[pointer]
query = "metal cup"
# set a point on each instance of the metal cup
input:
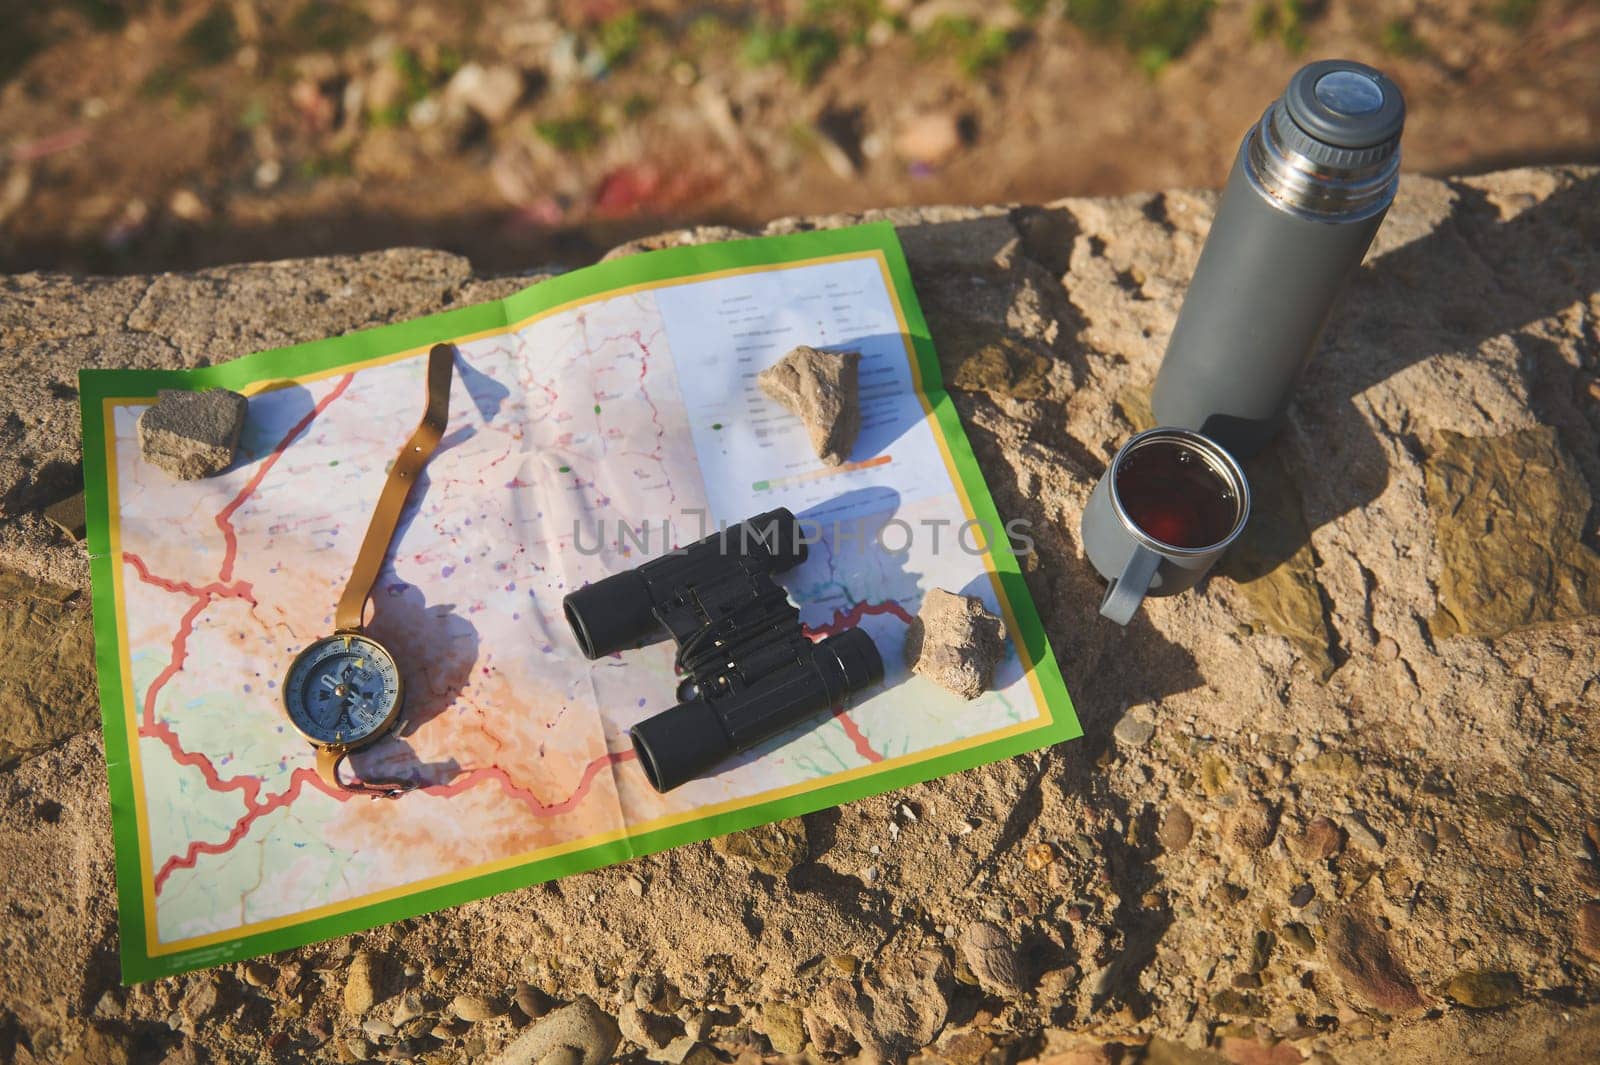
(1135, 560)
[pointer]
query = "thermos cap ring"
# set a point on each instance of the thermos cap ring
(1344, 104)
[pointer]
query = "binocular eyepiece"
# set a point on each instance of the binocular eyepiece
(750, 671)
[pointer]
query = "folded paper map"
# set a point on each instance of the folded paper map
(597, 419)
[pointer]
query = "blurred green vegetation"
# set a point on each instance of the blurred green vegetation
(977, 49)
(1515, 13)
(211, 38)
(1284, 21)
(577, 132)
(327, 26)
(804, 49)
(1398, 37)
(1155, 32)
(619, 37)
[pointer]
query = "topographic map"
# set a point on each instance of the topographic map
(595, 421)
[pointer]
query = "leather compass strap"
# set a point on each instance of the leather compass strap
(407, 466)
(328, 759)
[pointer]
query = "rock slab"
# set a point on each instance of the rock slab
(821, 388)
(955, 642)
(1449, 771)
(192, 434)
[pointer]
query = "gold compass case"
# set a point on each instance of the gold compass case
(343, 690)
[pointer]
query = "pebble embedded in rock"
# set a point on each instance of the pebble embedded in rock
(408, 1007)
(259, 974)
(474, 1008)
(773, 848)
(1336, 764)
(955, 642)
(1361, 957)
(192, 434)
(489, 92)
(200, 1000)
(1586, 937)
(901, 1005)
(378, 1028)
(647, 1030)
(1362, 836)
(821, 389)
(1177, 829)
(1039, 857)
(359, 994)
(992, 956)
(531, 1001)
(1216, 778)
(827, 1037)
(581, 1025)
(784, 1027)
(1318, 841)
(1135, 727)
(1483, 990)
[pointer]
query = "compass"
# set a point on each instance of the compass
(343, 689)
(343, 692)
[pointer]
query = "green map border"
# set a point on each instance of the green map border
(669, 264)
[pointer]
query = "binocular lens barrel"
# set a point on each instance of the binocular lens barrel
(611, 614)
(617, 613)
(692, 738)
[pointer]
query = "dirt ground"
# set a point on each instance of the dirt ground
(138, 136)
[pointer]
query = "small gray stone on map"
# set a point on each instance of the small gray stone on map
(821, 389)
(955, 642)
(192, 434)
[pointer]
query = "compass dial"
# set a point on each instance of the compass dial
(343, 689)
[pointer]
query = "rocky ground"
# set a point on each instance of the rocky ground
(1338, 804)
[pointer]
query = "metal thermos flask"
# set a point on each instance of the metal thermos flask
(1307, 193)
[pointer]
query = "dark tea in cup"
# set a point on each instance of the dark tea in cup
(1169, 505)
(1175, 495)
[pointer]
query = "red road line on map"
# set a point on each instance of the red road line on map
(216, 589)
(224, 517)
(250, 786)
(474, 776)
(848, 619)
(223, 587)
(160, 730)
(180, 650)
(858, 738)
(301, 777)
(240, 827)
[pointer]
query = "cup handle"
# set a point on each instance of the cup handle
(1125, 593)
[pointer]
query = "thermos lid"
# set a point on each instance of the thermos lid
(1341, 114)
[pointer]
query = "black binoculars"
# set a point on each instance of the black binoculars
(749, 670)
